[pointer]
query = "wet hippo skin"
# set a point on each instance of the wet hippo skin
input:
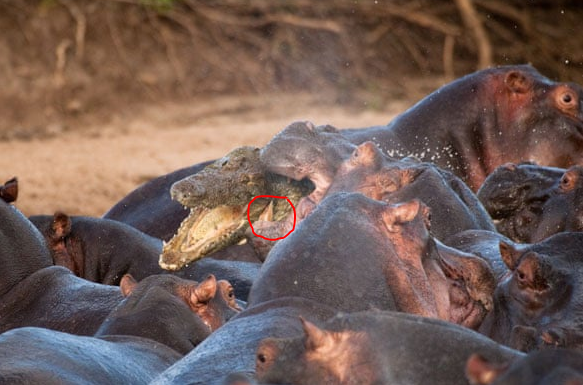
(547, 367)
(354, 253)
(539, 304)
(231, 349)
(22, 247)
(454, 207)
(56, 299)
(176, 312)
(41, 356)
(514, 196)
(485, 119)
(374, 347)
(103, 250)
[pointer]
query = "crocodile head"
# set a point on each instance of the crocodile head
(218, 198)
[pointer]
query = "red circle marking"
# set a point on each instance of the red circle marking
(270, 196)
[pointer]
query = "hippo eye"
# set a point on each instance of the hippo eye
(261, 358)
(567, 182)
(231, 294)
(567, 99)
(520, 275)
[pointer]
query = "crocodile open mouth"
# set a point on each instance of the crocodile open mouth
(202, 232)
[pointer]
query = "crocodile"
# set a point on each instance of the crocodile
(218, 198)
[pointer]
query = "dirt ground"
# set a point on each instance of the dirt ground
(99, 97)
(85, 172)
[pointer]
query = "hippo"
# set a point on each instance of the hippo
(219, 198)
(54, 298)
(228, 354)
(563, 210)
(485, 119)
(354, 253)
(103, 250)
(539, 304)
(514, 194)
(32, 355)
(454, 207)
(161, 319)
(303, 151)
(22, 247)
(531, 202)
(545, 367)
(374, 347)
(176, 312)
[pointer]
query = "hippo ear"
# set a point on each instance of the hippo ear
(9, 191)
(366, 154)
(61, 226)
(479, 371)
(127, 284)
(510, 254)
(395, 215)
(206, 290)
(316, 338)
(517, 82)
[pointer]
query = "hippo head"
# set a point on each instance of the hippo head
(320, 355)
(563, 210)
(371, 173)
(302, 150)
(544, 290)
(514, 196)
(544, 117)
(538, 281)
(212, 300)
(547, 367)
(433, 279)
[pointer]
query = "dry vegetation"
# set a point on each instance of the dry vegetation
(99, 96)
(68, 63)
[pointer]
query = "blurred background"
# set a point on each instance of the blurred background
(76, 75)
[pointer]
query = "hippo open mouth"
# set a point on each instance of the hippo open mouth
(470, 286)
(202, 232)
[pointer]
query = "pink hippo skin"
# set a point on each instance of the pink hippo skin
(485, 119)
(547, 367)
(354, 253)
(176, 312)
(374, 347)
(539, 304)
